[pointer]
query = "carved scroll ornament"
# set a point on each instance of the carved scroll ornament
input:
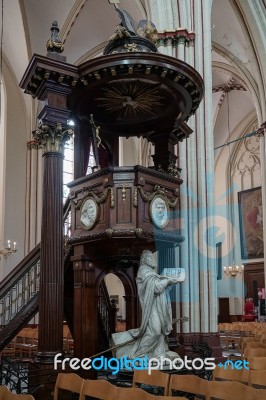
(99, 199)
(149, 197)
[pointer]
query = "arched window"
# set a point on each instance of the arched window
(68, 167)
(91, 162)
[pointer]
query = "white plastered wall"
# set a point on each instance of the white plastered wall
(226, 194)
(13, 172)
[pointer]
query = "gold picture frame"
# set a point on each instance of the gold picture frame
(251, 220)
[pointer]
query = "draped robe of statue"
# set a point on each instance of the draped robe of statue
(156, 321)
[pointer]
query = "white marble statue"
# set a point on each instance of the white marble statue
(156, 323)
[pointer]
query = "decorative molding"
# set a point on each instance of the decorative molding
(76, 204)
(158, 190)
(130, 98)
(225, 88)
(135, 197)
(42, 69)
(55, 44)
(248, 157)
(176, 37)
(139, 232)
(158, 174)
(172, 237)
(124, 193)
(92, 176)
(169, 68)
(99, 199)
(50, 139)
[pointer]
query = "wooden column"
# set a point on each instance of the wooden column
(164, 155)
(131, 312)
(51, 293)
(50, 79)
(85, 308)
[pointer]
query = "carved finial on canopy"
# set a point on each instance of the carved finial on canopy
(127, 39)
(148, 30)
(55, 44)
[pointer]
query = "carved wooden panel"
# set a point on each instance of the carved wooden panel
(124, 209)
(136, 206)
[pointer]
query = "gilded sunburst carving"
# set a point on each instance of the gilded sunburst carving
(130, 98)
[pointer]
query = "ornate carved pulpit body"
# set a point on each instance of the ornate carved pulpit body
(119, 211)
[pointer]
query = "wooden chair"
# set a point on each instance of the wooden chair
(238, 334)
(170, 398)
(156, 379)
(257, 378)
(231, 391)
(254, 353)
(230, 374)
(24, 341)
(263, 341)
(252, 345)
(261, 394)
(226, 331)
(257, 363)
(70, 382)
(30, 345)
(9, 350)
(188, 384)
(133, 394)
(4, 392)
(247, 340)
(99, 389)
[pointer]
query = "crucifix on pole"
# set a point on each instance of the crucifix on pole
(115, 2)
(96, 141)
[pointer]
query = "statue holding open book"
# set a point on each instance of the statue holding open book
(150, 339)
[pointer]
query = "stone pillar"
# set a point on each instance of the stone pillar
(166, 258)
(51, 292)
(261, 134)
(192, 44)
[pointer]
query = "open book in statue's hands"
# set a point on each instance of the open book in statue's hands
(176, 274)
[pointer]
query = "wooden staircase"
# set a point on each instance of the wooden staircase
(19, 297)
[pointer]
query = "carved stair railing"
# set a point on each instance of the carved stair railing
(19, 290)
(106, 315)
(19, 296)
(19, 300)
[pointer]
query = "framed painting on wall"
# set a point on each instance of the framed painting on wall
(251, 219)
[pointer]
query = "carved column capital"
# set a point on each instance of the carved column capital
(51, 138)
(176, 37)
